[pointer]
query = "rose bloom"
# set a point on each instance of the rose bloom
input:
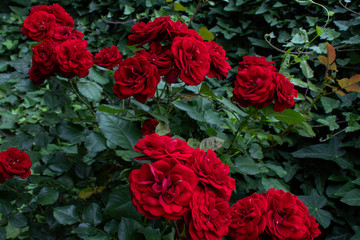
(219, 67)
(178, 29)
(213, 173)
(73, 58)
(191, 58)
(248, 218)
(160, 56)
(14, 162)
(149, 32)
(256, 61)
(254, 87)
(313, 229)
(62, 17)
(284, 93)
(39, 25)
(108, 57)
(210, 215)
(149, 127)
(44, 57)
(36, 76)
(62, 33)
(157, 147)
(137, 77)
(288, 217)
(162, 189)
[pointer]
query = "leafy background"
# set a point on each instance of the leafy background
(80, 137)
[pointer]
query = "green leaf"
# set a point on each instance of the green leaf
(273, 183)
(66, 215)
(231, 106)
(256, 151)
(5, 207)
(128, 229)
(95, 142)
(150, 233)
(2, 233)
(71, 132)
(18, 220)
(84, 229)
(93, 214)
(205, 90)
(120, 206)
(329, 104)
(306, 69)
(206, 34)
(178, 7)
(97, 77)
(352, 198)
(91, 90)
(330, 121)
(128, 10)
(47, 196)
(289, 116)
(162, 129)
(277, 169)
(117, 131)
(328, 151)
(246, 165)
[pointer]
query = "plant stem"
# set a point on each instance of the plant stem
(200, 4)
(81, 99)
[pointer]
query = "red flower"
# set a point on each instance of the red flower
(14, 162)
(162, 189)
(256, 61)
(62, 33)
(73, 58)
(160, 56)
(108, 58)
(254, 86)
(212, 172)
(44, 57)
(210, 216)
(284, 93)
(62, 17)
(288, 217)
(191, 58)
(219, 67)
(248, 218)
(149, 127)
(149, 32)
(313, 229)
(39, 25)
(137, 77)
(36, 75)
(157, 147)
(178, 29)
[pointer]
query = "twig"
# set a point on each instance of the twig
(128, 21)
(328, 138)
(344, 6)
(200, 4)
(306, 92)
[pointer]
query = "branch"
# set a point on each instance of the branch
(344, 6)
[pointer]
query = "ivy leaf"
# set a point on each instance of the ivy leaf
(66, 215)
(352, 198)
(306, 69)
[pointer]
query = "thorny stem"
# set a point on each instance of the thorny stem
(81, 99)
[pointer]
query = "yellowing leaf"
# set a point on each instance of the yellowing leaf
(355, 79)
(333, 66)
(86, 193)
(100, 189)
(206, 34)
(350, 84)
(178, 7)
(331, 53)
(338, 91)
(323, 60)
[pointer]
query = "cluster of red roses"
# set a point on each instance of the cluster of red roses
(174, 51)
(14, 162)
(275, 214)
(182, 183)
(62, 48)
(195, 186)
(258, 84)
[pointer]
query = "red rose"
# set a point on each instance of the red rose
(108, 58)
(62, 17)
(14, 162)
(36, 75)
(254, 86)
(248, 218)
(178, 29)
(212, 172)
(39, 25)
(73, 58)
(288, 217)
(284, 93)
(210, 216)
(62, 33)
(191, 58)
(162, 189)
(157, 147)
(137, 77)
(149, 32)
(219, 67)
(149, 126)
(160, 56)
(313, 229)
(44, 57)
(256, 61)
